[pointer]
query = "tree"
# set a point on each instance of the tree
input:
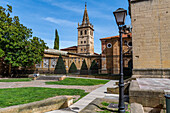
(92, 64)
(73, 68)
(56, 42)
(16, 43)
(60, 66)
(1, 53)
(84, 69)
(94, 67)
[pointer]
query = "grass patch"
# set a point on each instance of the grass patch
(105, 103)
(79, 81)
(16, 80)
(105, 111)
(16, 96)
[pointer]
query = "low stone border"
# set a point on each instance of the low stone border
(115, 89)
(46, 105)
(136, 108)
(148, 98)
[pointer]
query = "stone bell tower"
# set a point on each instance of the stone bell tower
(85, 35)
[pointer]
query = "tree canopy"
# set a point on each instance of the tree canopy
(16, 44)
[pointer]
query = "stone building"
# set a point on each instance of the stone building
(51, 56)
(110, 54)
(76, 54)
(151, 37)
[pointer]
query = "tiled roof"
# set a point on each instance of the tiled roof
(96, 53)
(69, 48)
(55, 52)
(123, 35)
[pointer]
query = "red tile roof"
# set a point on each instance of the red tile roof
(69, 48)
(96, 53)
(123, 35)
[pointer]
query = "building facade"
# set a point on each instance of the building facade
(51, 57)
(151, 37)
(110, 54)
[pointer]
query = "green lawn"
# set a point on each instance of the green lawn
(15, 80)
(16, 96)
(79, 81)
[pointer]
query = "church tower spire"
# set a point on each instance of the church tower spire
(85, 16)
(85, 35)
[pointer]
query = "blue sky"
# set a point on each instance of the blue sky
(44, 16)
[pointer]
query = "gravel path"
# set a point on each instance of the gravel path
(41, 83)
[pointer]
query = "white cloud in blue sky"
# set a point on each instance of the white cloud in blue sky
(60, 21)
(44, 16)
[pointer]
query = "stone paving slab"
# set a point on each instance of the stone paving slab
(154, 83)
(41, 83)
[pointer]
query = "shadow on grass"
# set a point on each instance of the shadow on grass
(103, 108)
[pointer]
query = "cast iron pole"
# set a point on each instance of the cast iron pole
(121, 81)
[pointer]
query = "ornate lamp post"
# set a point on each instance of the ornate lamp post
(120, 15)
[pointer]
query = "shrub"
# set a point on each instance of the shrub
(84, 69)
(73, 68)
(94, 67)
(60, 66)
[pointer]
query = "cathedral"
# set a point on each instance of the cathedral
(84, 50)
(107, 61)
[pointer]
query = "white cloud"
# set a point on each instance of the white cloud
(60, 21)
(68, 6)
(65, 44)
(72, 6)
(4, 2)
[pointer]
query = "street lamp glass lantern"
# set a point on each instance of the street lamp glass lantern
(120, 15)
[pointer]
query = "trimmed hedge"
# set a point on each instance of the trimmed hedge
(84, 69)
(94, 67)
(60, 66)
(73, 68)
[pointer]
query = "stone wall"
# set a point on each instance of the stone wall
(148, 98)
(46, 105)
(151, 36)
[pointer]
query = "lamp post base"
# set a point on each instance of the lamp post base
(122, 111)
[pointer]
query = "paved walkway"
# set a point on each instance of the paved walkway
(82, 103)
(41, 83)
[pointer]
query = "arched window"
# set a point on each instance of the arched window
(85, 32)
(81, 32)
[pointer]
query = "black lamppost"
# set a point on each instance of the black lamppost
(120, 15)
